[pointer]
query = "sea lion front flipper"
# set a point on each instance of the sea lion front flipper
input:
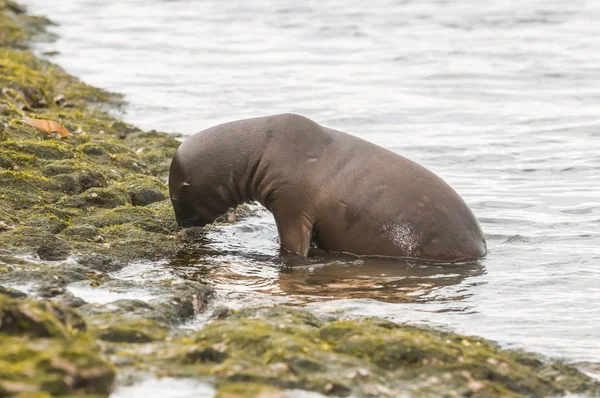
(295, 233)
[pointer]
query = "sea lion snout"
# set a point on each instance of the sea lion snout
(186, 218)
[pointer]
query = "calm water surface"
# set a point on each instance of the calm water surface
(501, 99)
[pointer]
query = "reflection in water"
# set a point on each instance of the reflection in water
(389, 280)
(243, 259)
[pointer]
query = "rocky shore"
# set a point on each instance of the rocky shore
(75, 210)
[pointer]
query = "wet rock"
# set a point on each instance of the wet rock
(35, 97)
(78, 182)
(221, 312)
(43, 319)
(140, 216)
(26, 239)
(7, 291)
(47, 149)
(130, 331)
(55, 249)
(146, 190)
(104, 148)
(6, 163)
(124, 129)
(47, 291)
(174, 304)
(243, 390)
(51, 223)
(5, 226)
(101, 263)
(69, 300)
(107, 198)
(207, 354)
(239, 213)
(15, 7)
(59, 99)
(290, 348)
(188, 298)
(48, 352)
(81, 232)
(147, 196)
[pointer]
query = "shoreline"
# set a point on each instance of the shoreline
(76, 210)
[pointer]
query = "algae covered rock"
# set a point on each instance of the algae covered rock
(243, 390)
(74, 184)
(290, 348)
(45, 348)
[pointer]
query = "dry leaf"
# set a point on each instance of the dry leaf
(48, 126)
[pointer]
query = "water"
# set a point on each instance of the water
(501, 99)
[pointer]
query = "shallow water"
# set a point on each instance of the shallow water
(501, 99)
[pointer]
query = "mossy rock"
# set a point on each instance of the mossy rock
(45, 349)
(13, 293)
(145, 190)
(290, 348)
(249, 390)
(147, 218)
(104, 149)
(129, 331)
(26, 182)
(26, 239)
(49, 223)
(81, 232)
(93, 176)
(16, 26)
(41, 149)
(38, 319)
(107, 198)
(15, 160)
(79, 182)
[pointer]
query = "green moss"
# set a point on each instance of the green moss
(49, 223)
(25, 239)
(101, 165)
(38, 319)
(97, 197)
(13, 160)
(45, 348)
(16, 26)
(128, 330)
(25, 189)
(145, 190)
(290, 348)
(249, 390)
(24, 181)
(46, 149)
(104, 149)
(81, 232)
(140, 217)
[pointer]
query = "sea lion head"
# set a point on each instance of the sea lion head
(183, 197)
(183, 205)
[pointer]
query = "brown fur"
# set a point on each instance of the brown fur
(347, 194)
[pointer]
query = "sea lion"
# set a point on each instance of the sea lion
(344, 193)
